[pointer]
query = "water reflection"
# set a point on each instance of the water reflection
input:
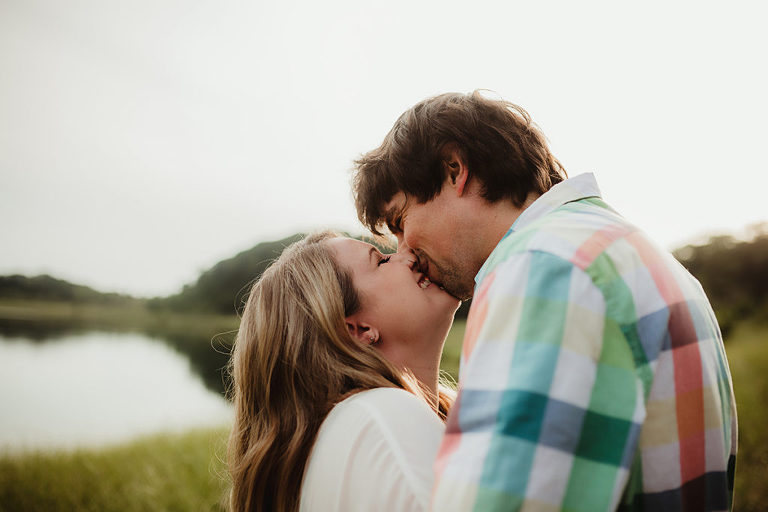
(96, 387)
(207, 355)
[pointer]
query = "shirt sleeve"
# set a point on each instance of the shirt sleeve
(549, 403)
(375, 452)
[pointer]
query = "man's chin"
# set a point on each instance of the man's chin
(452, 282)
(457, 291)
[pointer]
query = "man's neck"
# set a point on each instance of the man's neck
(499, 217)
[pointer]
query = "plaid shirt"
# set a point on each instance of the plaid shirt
(593, 375)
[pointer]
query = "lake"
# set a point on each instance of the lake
(96, 388)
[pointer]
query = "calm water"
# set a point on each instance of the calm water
(96, 388)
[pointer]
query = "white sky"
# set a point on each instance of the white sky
(143, 141)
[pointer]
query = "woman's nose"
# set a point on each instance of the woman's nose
(406, 256)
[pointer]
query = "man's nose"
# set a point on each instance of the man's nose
(401, 244)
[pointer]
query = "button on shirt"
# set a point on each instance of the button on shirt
(593, 375)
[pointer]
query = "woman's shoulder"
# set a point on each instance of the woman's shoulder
(388, 429)
(392, 419)
(386, 405)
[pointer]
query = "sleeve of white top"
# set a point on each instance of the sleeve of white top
(375, 451)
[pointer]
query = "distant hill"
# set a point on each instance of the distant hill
(223, 287)
(734, 273)
(45, 287)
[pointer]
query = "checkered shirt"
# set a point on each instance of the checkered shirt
(593, 375)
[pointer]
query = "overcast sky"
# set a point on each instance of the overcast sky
(143, 141)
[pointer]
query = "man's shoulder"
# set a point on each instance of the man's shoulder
(594, 239)
(561, 232)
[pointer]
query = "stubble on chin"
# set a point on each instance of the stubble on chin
(459, 284)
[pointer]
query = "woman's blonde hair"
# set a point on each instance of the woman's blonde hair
(292, 361)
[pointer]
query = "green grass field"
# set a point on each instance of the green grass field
(747, 350)
(187, 472)
(163, 473)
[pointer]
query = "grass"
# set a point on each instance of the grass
(747, 350)
(163, 473)
(452, 349)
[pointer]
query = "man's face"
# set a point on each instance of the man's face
(436, 232)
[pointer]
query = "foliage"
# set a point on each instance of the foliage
(163, 473)
(223, 287)
(734, 275)
(45, 287)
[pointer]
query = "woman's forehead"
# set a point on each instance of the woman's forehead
(350, 253)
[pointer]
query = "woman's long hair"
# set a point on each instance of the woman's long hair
(292, 361)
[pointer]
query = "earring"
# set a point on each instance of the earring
(372, 338)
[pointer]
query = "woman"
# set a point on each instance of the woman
(335, 381)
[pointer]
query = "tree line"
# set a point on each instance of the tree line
(733, 272)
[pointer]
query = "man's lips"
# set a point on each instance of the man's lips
(424, 269)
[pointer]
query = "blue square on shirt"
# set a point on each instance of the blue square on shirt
(652, 330)
(562, 426)
(477, 409)
(533, 366)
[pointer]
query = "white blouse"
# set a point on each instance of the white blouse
(374, 451)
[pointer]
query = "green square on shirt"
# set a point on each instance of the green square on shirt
(542, 320)
(505, 473)
(614, 393)
(491, 500)
(603, 438)
(590, 486)
(521, 414)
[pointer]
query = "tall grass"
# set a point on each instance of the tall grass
(747, 351)
(161, 473)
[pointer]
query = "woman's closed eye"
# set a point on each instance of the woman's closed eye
(384, 259)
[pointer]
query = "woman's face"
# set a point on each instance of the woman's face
(407, 315)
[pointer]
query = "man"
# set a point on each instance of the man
(593, 374)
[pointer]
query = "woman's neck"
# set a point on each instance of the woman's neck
(428, 376)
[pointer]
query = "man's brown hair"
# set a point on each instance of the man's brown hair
(500, 145)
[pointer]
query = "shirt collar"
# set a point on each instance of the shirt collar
(572, 189)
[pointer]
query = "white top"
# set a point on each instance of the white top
(374, 451)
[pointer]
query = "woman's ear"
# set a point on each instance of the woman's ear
(363, 332)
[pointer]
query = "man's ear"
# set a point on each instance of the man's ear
(456, 168)
(363, 332)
